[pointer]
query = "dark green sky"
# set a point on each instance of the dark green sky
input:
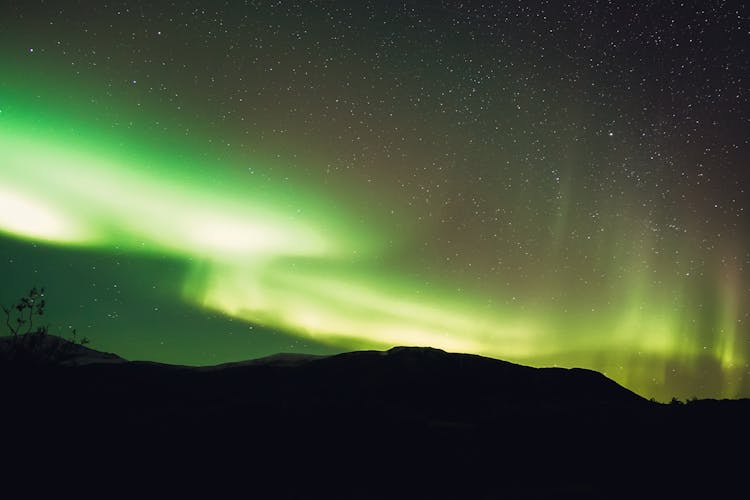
(552, 183)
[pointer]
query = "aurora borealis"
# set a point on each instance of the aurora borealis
(550, 183)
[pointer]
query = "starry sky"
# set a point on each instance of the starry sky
(550, 183)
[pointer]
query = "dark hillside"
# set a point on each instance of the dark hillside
(404, 423)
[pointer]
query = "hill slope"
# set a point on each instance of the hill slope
(51, 350)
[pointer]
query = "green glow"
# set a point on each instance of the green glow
(287, 257)
(70, 197)
(36, 219)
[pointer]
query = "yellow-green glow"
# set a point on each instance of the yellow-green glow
(332, 308)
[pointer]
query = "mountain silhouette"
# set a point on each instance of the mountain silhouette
(409, 422)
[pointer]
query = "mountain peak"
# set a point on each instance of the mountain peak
(415, 351)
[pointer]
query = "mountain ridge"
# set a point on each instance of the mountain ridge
(362, 365)
(408, 422)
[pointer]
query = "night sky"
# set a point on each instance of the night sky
(550, 183)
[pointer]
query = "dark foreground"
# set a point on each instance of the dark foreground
(407, 423)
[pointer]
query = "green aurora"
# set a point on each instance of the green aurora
(286, 258)
(269, 241)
